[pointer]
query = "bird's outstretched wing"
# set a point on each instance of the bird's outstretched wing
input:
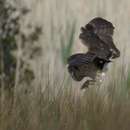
(97, 35)
(104, 30)
(102, 26)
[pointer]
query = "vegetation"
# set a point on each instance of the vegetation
(36, 91)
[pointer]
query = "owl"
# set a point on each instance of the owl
(97, 36)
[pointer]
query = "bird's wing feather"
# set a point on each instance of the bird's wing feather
(102, 26)
(104, 30)
(80, 58)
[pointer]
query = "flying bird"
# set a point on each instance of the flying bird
(97, 36)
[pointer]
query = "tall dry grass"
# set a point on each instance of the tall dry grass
(45, 97)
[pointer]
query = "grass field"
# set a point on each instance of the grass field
(44, 97)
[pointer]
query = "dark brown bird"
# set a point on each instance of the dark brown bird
(97, 36)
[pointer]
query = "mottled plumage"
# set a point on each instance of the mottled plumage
(97, 36)
(85, 65)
